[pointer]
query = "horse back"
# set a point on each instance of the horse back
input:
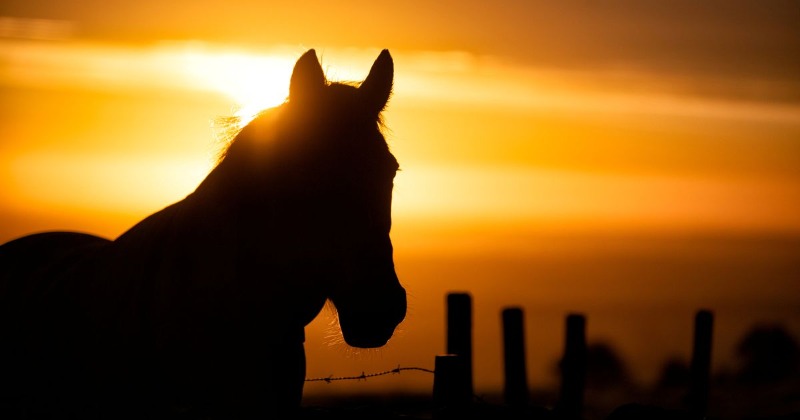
(34, 256)
(32, 252)
(33, 270)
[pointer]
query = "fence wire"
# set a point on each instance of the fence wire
(365, 376)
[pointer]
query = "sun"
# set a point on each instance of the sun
(253, 81)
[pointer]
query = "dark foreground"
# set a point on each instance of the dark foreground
(762, 402)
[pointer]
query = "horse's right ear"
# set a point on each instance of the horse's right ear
(377, 87)
(307, 77)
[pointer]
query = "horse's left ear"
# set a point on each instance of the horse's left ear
(377, 87)
(307, 77)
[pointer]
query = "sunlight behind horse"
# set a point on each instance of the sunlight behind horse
(296, 212)
(253, 81)
(149, 181)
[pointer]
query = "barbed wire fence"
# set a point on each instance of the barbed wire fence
(365, 376)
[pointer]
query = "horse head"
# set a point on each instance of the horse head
(331, 174)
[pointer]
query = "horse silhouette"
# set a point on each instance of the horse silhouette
(201, 307)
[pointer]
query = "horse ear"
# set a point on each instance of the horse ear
(377, 87)
(307, 76)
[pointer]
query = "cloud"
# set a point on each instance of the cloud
(730, 38)
(450, 76)
(37, 29)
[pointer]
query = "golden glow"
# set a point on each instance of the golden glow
(499, 160)
(481, 141)
(66, 179)
(124, 184)
(254, 82)
(519, 196)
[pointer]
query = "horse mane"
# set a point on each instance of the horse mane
(227, 129)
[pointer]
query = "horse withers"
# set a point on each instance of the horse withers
(201, 307)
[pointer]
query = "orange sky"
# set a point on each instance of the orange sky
(527, 131)
(480, 140)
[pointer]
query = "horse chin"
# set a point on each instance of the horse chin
(365, 343)
(367, 339)
(370, 329)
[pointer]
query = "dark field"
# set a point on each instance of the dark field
(727, 401)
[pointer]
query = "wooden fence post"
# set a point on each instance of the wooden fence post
(516, 383)
(452, 379)
(450, 388)
(700, 370)
(573, 369)
(459, 332)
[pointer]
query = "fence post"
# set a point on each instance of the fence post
(573, 369)
(450, 388)
(700, 369)
(516, 383)
(459, 332)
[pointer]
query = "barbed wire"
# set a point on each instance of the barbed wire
(365, 376)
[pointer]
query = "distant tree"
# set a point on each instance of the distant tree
(768, 353)
(674, 373)
(604, 366)
(634, 411)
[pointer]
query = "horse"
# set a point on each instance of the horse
(199, 309)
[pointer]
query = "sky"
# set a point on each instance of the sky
(633, 160)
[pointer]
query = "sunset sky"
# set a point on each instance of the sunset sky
(632, 160)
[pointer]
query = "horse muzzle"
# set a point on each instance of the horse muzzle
(371, 323)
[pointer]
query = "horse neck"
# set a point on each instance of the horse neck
(227, 241)
(184, 230)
